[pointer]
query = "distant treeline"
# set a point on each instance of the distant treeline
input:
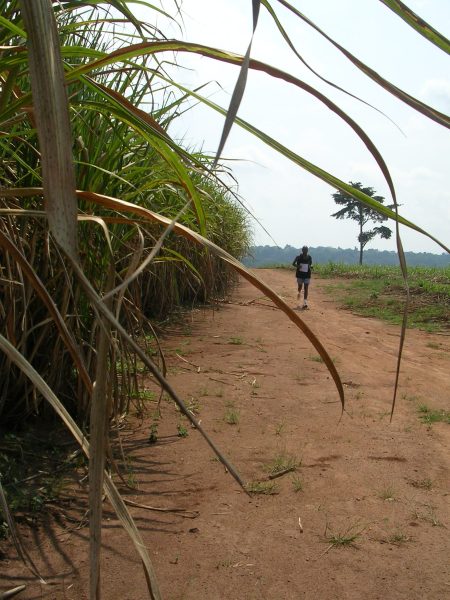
(260, 256)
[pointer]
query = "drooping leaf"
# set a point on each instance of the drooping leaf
(52, 118)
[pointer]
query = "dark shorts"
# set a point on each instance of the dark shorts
(305, 280)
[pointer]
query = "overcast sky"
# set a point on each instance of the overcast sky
(293, 205)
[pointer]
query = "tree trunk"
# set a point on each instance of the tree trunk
(361, 247)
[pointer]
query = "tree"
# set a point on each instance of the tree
(362, 214)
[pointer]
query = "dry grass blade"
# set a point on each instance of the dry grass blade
(20, 547)
(110, 489)
(12, 592)
(42, 292)
(98, 436)
(52, 120)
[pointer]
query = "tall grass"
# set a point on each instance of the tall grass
(110, 157)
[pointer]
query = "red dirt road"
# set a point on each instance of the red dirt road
(389, 483)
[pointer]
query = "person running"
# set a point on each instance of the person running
(303, 264)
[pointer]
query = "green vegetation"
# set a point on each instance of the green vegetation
(297, 484)
(153, 433)
(379, 292)
(262, 487)
(315, 358)
(282, 463)
(231, 414)
(343, 539)
(398, 538)
(182, 431)
(430, 416)
(34, 470)
(279, 428)
(387, 493)
(356, 211)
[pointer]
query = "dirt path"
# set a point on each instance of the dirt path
(387, 483)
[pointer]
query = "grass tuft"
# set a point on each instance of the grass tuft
(282, 462)
(262, 487)
(343, 539)
(297, 484)
(430, 416)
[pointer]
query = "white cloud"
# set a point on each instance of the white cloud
(437, 93)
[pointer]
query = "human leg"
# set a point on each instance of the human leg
(305, 297)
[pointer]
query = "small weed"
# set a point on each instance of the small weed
(279, 428)
(429, 416)
(387, 493)
(194, 406)
(146, 395)
(182, 431)
(282, 462)
(237, 341)
(262, 487)
(139, 367)
(398, 538)
(344, 539)
(431, 517)
(132, 482)
(316, 358)
(153, 434)
(231, 416)
(297, 484)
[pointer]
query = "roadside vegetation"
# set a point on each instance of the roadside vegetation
(378, 291)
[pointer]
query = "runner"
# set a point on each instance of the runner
(303, 264)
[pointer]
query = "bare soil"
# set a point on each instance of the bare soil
(385, 484)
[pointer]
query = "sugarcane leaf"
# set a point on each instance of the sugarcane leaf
(52, 117)
(419, 24)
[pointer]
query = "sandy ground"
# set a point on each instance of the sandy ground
(387, 483)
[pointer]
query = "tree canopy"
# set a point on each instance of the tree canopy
(362, 214)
